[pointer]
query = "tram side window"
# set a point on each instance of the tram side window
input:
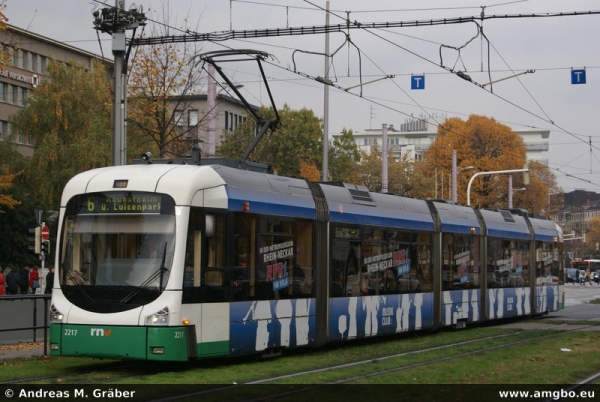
(348, 277)
(558, 262)
(390, 261)
(303, 272)
(547, 267)
(508, 263)
(275, 259)
(244, 271)
(206, 279)
(402, 276)
(421, 254)
(375, 260)
(461, 262)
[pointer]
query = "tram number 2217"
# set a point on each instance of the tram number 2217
(70, 332)
(178, 334)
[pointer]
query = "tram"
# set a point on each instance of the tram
(182, 260)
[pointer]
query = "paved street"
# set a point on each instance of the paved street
(581, 294)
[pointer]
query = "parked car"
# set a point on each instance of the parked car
(571, 275)
(597, 277)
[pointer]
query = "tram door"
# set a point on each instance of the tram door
(205, 283)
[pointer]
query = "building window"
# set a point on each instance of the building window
(192, 118)
(12, 93)
(178, 118)
(2, 130)
(24, 94)
(3, 92)
(43, 64)
(14, 57)
(226, 120)
(34, 62)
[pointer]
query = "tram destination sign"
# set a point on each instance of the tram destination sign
(115, 203)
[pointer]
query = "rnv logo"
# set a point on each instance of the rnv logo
(100, 332)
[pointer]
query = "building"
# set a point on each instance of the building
(417, 134)
(580, 207)
(29, 54)
(192, 114)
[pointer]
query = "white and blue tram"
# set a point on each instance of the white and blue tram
(179, 261)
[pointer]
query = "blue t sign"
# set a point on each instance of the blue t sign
(577, 77)
(417, 82)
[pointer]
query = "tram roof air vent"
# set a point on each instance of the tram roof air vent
(507, 216)
(361, 196)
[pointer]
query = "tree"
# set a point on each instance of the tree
(370, 168)
(14, 236)
(162, 79)
(404, 175)
(6, 179)
(486, 145)
(4, 56)
(309, 172)
(592, 238)
(68, 118)
(344, 159)
(297, 139)
(543, 195)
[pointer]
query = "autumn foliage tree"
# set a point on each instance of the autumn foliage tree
(161, 78)
(68, 118)
(486, 145)
(592, 237)
(6, 180)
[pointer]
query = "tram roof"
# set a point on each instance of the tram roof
(355, 205)
(457, 218)
(504, 224)
(545, 230)
(286, 196)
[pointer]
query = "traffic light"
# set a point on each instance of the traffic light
(35, 242)
(45, 247)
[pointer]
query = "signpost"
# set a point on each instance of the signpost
(45, 233)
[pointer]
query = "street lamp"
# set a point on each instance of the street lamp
(511, 192)
(455, 173)
(494, 172)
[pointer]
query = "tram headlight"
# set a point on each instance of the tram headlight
(159, 318)
(55, 315)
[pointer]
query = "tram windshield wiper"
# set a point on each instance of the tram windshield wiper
(158, 273)
(79, 286)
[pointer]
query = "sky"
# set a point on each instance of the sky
(551, 48)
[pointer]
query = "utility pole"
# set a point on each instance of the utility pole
(384, 159)
(325, 172)
(116, 21)
(211, 98)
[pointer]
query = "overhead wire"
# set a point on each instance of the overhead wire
(415, 54)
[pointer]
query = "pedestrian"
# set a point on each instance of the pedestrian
(2, 287)
(49, 280)
(24, 280)
(577, 277)
(11, 277)
(34, 279)
(586, 278)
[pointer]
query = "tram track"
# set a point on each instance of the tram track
(285, 386)
(293, 389)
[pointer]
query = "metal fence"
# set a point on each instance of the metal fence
(24, 318)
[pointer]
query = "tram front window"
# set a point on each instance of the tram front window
(116, 261)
